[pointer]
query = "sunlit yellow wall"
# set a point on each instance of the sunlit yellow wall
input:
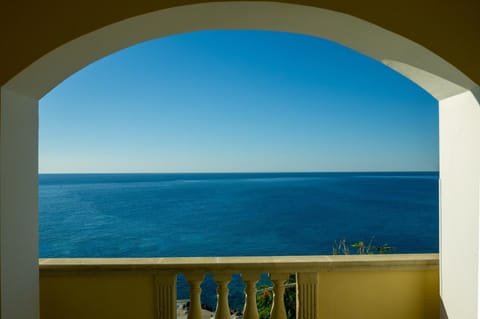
(97, 296)
(386, 294)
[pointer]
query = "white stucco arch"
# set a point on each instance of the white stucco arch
(459, 130)
(422, 66)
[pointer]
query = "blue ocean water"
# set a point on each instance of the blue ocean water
(235, 214)
(159, 215)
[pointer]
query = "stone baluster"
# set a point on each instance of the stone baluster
(195, 280)
(223, 310)
(250, 310)
(307, 296)
(166, 295)
(278, 307)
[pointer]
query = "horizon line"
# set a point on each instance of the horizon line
(245, 172)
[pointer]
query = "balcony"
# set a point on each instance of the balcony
(336, 287)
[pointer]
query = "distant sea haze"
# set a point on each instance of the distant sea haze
(234, 214)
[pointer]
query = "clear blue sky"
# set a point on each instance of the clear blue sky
(237, 101)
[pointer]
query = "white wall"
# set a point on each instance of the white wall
(459, 220)
(18, 206)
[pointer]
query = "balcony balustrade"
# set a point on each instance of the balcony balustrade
(337, 287)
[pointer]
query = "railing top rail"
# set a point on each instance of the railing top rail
(290, 264)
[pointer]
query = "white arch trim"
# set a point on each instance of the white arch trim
(403, 55)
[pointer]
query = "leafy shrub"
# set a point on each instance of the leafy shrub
(341, 247)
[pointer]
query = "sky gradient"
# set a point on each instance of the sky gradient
(237, 101)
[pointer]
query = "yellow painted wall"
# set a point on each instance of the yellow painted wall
(382, 295)
(101, 296)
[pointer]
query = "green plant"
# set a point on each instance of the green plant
(265, 300)
(291, 298)
(341, 247)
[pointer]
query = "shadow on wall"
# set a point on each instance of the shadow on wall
(443, 312)
(476, 92)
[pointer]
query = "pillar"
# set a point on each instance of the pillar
(19, 293)
(307, 295)
(459, 126)
(223, 310)
(166, 296)
(195, 280)
(278, 306)
(250, 310)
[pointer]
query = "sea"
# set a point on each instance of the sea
(234, 214)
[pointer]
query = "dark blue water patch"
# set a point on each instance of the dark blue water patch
(168, 215)
(123, 178)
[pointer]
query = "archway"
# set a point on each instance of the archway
(459, 131)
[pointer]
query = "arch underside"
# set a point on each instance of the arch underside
(422, 66)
